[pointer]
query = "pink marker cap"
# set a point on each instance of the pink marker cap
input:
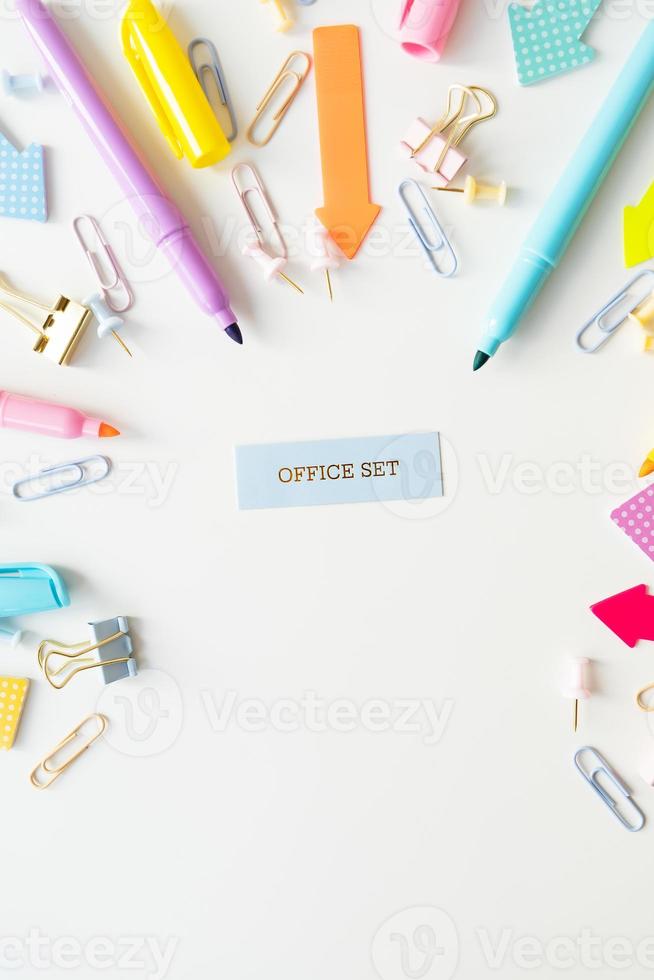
(425, 26)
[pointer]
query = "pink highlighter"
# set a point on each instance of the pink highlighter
(425, 26)
(48, 419)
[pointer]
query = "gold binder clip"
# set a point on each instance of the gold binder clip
(115, 658)
(47, 770)
(59, 328)
(284, 73)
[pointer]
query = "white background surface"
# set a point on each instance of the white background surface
(283, 854)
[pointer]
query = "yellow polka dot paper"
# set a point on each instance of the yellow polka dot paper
(13, 691)
(547, 37)
(22, 182)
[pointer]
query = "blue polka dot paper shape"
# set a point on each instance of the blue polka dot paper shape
(547, 37)
(22, 182)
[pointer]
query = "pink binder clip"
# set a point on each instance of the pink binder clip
(425, 26)
(434, 148)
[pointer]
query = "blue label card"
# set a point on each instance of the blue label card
(339, 471)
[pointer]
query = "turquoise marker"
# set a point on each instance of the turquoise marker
(562, 215)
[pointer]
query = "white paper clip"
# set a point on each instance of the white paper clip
(78, 473)
(432, 247)
(625, 308)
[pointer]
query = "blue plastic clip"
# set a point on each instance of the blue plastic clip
(610, 775)
(82, 472)
(624, 303)
(431, 247)
(30, 588)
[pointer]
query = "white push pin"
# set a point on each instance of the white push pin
(577, 689)
(474, 190)
(271, 265)
(12, 637)
(28, 84)
(324, 252)
(108, 322)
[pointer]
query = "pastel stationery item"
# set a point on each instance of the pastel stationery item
(628, 614)
(155, 212)
(576, 688)
(281, 19)
(601, 777)
(324, 253)
(109, 639)
(474, 190)
(564, 211)
(109, 323)
(49, 419)
(13, 691)
(269, 105)
(30, 588)
(639, 230)
(633, 302)
(547, 37)
(22, 182)
(636, 518)
(339, 471)
(347, 212)
(430, 234)
(647, 466)
(22, 84)
(80, 739)
(434, 148)
(206, 64)
(169, 84)
(62, 477)
(425, 26)
(114, 287)
(58, 326)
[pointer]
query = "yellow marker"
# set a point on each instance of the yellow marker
(639, 230)
(13, 691)
(648, 465)
(176, 98)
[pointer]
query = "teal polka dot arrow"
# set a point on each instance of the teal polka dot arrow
(22, 182)
(547, 37)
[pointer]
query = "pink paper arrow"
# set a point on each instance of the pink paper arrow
(629, 614)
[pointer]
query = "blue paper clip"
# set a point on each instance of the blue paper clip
(81, 476)
(208, 68)
(598, 319)
(592, 778)
(431, 248)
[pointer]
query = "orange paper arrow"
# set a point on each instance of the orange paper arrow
(347, 212)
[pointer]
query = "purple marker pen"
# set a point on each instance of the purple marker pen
(160, 218)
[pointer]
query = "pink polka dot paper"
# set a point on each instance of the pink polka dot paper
(636, 518)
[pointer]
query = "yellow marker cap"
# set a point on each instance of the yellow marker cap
(166, 77)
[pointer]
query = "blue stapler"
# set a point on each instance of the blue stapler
(29, 588)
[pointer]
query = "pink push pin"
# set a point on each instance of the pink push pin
(324, 251)
(425, 26)
(271, 265)
(576, 688)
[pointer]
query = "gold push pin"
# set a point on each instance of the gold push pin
(326, 254)
(58, 328)
(473, 190)
(576, 689)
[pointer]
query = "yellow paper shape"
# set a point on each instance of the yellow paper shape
(639, 231)
(13, 691)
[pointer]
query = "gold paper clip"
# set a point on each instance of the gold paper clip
(47, 770)
(278, 82)
(271, 264)
(102, 260)
(59, 328)
(112, 634)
